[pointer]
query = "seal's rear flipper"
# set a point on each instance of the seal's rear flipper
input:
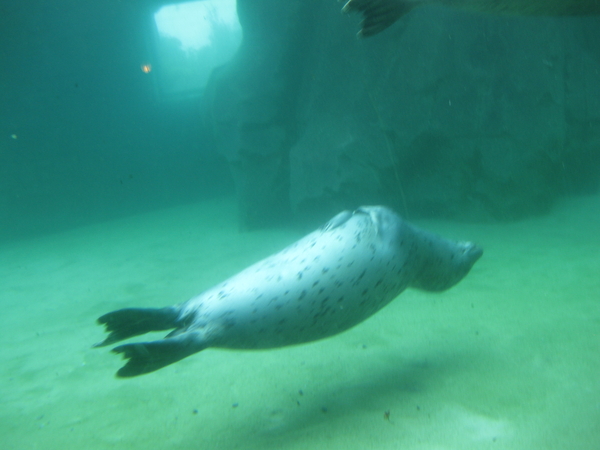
(379, 14)
(129, 322)
(147, 357)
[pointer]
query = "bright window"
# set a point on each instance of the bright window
(193, 39)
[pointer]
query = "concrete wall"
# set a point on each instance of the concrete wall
(446, 114)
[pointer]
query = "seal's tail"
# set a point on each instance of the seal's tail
(129, 322)
(144, 357)
(378, 14)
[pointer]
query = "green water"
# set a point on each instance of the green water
(507, 359)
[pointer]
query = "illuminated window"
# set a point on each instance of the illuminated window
(192, 39)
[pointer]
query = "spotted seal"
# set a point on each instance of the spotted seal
(380, 14)
(325, 283)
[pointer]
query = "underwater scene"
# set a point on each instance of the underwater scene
(303, 224)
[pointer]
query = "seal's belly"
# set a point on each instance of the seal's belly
(322, 285)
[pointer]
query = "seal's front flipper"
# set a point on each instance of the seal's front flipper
(378, 14)
(147, 357)
(129, 322)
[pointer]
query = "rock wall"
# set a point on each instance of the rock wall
(445, 114)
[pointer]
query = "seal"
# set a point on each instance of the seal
(325, 283)
(380, 14)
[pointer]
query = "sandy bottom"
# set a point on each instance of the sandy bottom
(508, 359)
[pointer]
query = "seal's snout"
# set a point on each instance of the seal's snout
(472, 251)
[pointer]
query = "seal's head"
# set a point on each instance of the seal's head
(437, 263)
(445, 262)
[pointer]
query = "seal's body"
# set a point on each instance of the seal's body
(380, 14)
(325, 283)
